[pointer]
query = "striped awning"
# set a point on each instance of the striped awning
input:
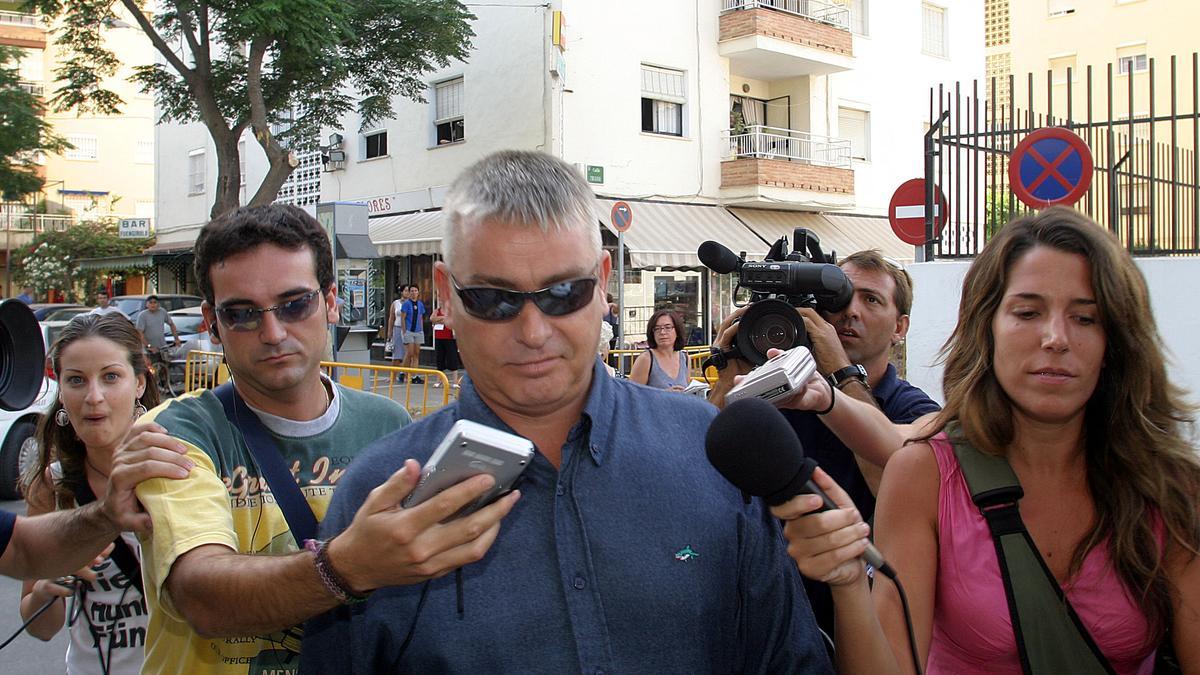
(121, 262)
(408, 234)
(665, 234)
(842, 234)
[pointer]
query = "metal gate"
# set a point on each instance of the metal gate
(1145, 143)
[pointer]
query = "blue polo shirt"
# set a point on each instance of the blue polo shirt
(7, 521)
(902, 403)
(636, 556)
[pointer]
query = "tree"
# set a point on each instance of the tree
(250, 64)
(25, 132)
(51, 260)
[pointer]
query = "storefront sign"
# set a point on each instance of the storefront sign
(134, 228)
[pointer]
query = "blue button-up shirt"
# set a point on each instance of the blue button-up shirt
(635, 556)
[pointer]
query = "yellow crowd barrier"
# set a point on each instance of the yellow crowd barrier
(205, 370)
(623, 358)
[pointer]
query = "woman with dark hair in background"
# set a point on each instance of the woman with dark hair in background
(1057, 366)
(103, 389)
(664, 364)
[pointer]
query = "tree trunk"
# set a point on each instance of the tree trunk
(229, 175)
(276, 176)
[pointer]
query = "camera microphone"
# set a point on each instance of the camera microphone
(718, 258)
(752, 445)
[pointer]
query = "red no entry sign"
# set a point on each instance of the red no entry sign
(1050, 166)
(906, 211)
(622, 216)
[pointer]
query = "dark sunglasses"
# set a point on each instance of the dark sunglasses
(250, 318)
(502, 304)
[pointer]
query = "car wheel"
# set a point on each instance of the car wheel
(10, 458)
(29, 454)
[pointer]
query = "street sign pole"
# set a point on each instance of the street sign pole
(620, 297)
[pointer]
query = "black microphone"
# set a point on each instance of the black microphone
(718, 258)
(752, 445)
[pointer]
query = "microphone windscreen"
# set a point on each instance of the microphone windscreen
(718, 258)
(752, 445)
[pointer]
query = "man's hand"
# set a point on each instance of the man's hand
(148, 452)
(726, 377)
(387, 545)
(816, 394)
(826, 546)
(826, 346)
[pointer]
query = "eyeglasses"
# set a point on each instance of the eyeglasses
(664, 329)
(502, 304)
(250, 318)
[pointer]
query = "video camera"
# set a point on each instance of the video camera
(786, 279)
(22, 356)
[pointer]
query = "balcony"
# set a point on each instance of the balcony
(787, 169)
(19, 29)
(777, 39)
(32, 87)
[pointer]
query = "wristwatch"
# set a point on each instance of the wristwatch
(851, 373)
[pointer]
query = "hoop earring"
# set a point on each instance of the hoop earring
(61, 418)
(138, 410)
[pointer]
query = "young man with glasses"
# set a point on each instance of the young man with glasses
(626, 551)
(226, 579)
(851, 440)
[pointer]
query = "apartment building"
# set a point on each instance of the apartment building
(732, 120)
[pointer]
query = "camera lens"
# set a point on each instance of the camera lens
(22, 356)
(769, 324)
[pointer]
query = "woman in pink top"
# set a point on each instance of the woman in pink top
(1055, 364)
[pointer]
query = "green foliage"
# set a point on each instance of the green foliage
(1001, 207)
(24, 132)
(301, 64)
(51, 260)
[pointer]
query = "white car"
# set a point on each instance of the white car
(19, 448)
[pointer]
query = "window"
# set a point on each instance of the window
(859, 23)
(448, 111)
(197, 172)
(242, 163)
(1060, 7)
(855, 126)
(31, 65)
(663, 98)
(144, 152)
(372, 144)
(86, 147)
(933, 30)
(82, 205)
(1134, 62)
(1059, 66)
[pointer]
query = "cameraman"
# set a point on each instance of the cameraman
(850, 440)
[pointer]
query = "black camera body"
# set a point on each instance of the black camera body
(785, 280)
(22, 356)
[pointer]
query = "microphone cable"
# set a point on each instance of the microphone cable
(31, 619)
(908, 622)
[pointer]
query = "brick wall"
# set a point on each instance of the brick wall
(788, 27)
(785, 174)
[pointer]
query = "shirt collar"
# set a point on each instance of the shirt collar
(595, 422)
(887, 384)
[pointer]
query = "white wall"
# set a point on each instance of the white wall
(891, 79)
(938, 287)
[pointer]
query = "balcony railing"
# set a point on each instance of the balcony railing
(761, 142)
(20, 19)
(35, 222)
(33, 88)
(815, 10)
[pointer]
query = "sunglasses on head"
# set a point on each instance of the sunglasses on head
(502, 304)
(250, 318)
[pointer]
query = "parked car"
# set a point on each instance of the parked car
(18, 447)
(65, 314)
(42, 310)
(132, 305)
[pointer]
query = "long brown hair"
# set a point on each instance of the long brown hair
(60, 444)
(1141, 469)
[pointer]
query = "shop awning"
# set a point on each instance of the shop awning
(355, 246)
(667, 235)
(169, 248)
(408, 234)
(120, 262)
(838, 233)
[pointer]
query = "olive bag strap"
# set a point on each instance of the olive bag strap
(1049, 635)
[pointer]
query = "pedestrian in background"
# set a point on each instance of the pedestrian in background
(445, 347)
(395, 324)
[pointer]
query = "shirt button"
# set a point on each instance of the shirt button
(560, 490)
(580, 583)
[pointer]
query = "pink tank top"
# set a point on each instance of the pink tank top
(972, 632)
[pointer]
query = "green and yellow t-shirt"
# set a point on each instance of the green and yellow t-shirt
(226, 501)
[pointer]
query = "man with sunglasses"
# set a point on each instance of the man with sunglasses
(626, 550)
(226, 576)
(851, 439)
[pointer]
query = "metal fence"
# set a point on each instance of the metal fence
(1140, 119)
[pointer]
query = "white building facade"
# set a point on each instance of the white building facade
(732, 120)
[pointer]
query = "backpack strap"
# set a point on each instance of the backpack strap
(121, 554)
(296, 511)
(1049, 634)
